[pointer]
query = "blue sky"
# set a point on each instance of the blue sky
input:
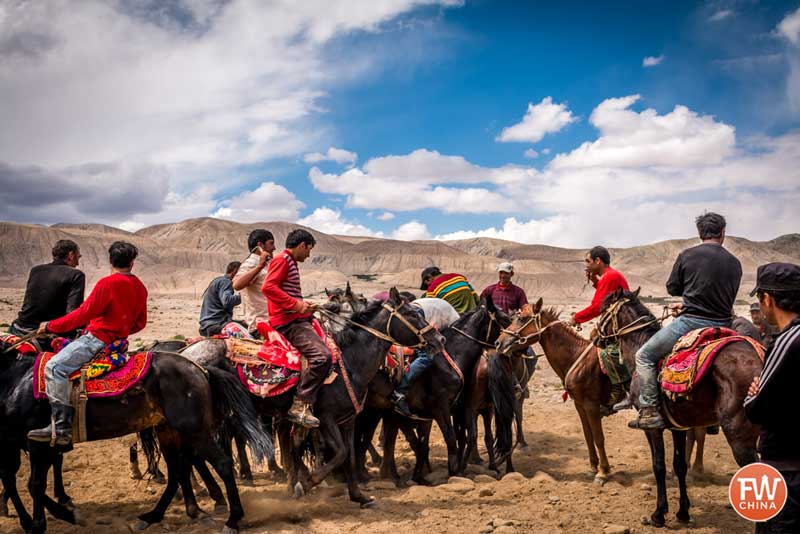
(536, 122)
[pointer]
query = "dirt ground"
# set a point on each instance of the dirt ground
(552, 493)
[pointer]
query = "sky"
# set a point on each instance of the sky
(562, 123)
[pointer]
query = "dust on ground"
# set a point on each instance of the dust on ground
(552, 493)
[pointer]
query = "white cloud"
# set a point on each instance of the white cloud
(330, 221)
(680, 138)
(531, 154)
(411, 231)
(540, 119)
(789, 27)
(545, 151)
(130, 226)
(386, 216)
(269, 202)
(722, 14)
(338, 155)
(652, 61)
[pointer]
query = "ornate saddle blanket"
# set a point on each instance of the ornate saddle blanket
(24, 348)
(397, 357)
(104, 378)
(692, 356)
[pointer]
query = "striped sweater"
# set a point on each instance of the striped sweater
(455, 289)
(282, 289)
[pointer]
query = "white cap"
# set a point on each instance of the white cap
(506, 267)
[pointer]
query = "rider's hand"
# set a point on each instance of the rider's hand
(307, 307)
(572, 321)
(676, 309)
(263, 258)
(752, 391)
(42, 329)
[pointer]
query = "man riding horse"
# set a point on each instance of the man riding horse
(603, 278)
(116, 308)
(250, 277)
(452, 287)
(707, 276)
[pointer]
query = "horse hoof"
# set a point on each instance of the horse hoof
(136, 474)
(220, 509)
(228, 530)
(371, 504)
(600, 479)
(683, 517)
(159, 479)
(522, 447)
(653, 521)
(141, 525)
(299, 491)
(69, 505)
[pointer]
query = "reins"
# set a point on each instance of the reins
(485, 342)
(535, 318)
(393, 314)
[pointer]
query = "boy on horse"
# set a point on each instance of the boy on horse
(116, 308)
(604, 279)
(290, 315)
(249, 279)
(707, 277)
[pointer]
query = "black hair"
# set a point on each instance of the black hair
(299, 236)
(602, 253)
(232, 266)
(63, 247)
(258, 236)
(121, 254)
(710, 225)
(785, 300)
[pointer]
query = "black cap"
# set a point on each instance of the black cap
(428, 271)
(777, 277)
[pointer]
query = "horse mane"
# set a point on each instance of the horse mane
(551, 314)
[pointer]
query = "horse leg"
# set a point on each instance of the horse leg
(41, 459)
(58, 482)
(596, 424)
(388, 466)
(419, 437)
(353, 488)
(223, 465)
(679, 467)
(9, 466)
(185, 458)
(700, 440)
(245, 473)
(169, 448)
(272, 464)
(520, 444)
(488, 438)
(133, 462)
(445, 423)
(365, 430)
(214, 491)
(656, 440)
(588, 437)
(374, 455)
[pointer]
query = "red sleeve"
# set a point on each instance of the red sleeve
(91, 308)
(277, 272)
(608, 283)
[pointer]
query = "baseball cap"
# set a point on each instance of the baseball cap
(506, 267)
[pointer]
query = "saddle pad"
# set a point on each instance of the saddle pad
(686, 367)
(24, 348)
(111, 384)
(398, 353)
(267, 380)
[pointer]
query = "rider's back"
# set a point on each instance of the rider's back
(707, 276)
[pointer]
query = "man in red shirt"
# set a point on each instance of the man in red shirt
(604, 279)
(116, 308)
(290, 315)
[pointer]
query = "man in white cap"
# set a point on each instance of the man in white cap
(505, 295)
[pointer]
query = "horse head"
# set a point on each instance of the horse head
(621, 313)
(526, 325)
(344, 303)
(485, 323)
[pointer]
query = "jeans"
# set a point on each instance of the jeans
(418, 366)
(659, 346)
(66, 362)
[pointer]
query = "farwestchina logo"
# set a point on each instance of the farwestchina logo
(757, 492)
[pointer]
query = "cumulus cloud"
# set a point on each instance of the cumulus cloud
(269, 202)
(530, 154)
(338, 155)
(411, 231)
(330, 221)
(789, 27)
(386, 216)
(652, 61)
(540, 119)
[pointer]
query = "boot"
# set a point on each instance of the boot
(649, 419)
(401, 404)
(300, 413)
(59, 431)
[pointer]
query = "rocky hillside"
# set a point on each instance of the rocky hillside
(182, 257)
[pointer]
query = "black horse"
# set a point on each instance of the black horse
(185, 403)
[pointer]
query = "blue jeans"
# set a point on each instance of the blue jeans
(659, 346)
(66, 362)
(418, 366)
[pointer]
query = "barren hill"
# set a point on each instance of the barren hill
(183, 257)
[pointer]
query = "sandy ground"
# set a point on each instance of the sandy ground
(553, 491)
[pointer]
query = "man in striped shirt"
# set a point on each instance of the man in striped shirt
(290, 315)
(452, 287)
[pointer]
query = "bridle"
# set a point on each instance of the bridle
(386, 336)
(485, 342)
(611, 316)
(536, 320)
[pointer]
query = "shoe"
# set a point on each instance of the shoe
(300, 413)
(624, 404)
(401, 404)
(59, 431)
(649, 419)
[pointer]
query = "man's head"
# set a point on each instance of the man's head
(778, 290)
(232, 269)
(67, 251)
(428, 275)
(755, 314)
(711, 227)
(300, 242)
(261, 238)
(597, 260)
(504, 272)
(121, 255)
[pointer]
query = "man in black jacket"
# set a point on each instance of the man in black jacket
(775, 391)
(53, 289)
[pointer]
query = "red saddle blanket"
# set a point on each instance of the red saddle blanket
(111, 384)
(22, 348)
(397, 354)
(692, 356)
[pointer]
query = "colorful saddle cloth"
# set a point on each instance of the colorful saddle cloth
(399, 354)
(692, 356)
(107, 375)
(24, 348)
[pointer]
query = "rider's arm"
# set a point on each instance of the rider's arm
(91, 308)
(244, 279)
(675, 281)
(227, 297)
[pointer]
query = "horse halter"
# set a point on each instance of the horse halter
(611, 316)
(536, 320)
(485, 342)
(386, 336)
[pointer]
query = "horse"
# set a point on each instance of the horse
(716, 400)
(363, 342)
(185, 404)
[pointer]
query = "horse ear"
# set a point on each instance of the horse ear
(538, 306)
(394, 296)
(327, 292)
(347, 290)
(618, 293)
(636, 293)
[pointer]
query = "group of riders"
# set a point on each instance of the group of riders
(706, 277)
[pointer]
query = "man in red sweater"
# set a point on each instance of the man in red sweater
(290, 315)
(604, 279)
(116, 308)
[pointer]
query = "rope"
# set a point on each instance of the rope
(385, 336)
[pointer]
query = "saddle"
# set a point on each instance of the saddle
(398, 361)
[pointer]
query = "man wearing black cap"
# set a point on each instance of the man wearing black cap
(775, 391)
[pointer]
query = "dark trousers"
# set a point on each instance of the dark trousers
(421, 363)
(211, 330)
(788, 521)
(317, 358)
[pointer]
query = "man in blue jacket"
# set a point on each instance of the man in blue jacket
(218, 302)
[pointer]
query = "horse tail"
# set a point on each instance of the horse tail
(233, 405)
(150, 449)
(501, 392)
